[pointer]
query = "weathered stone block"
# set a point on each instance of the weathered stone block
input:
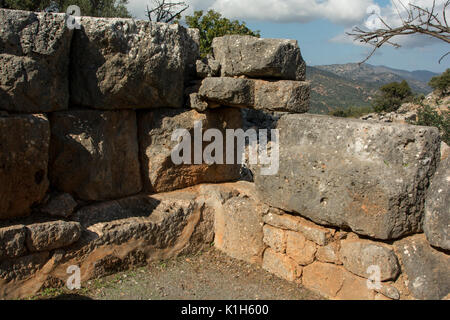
(283, 95)
(281, 265)
(358, 255)
(160, 173)
(259, 58)
(329, 253)
(300, 249)
(61, 205)
(52, 235)
(12, 241)
(34, 61)
(428, 270)
(275, 238)
(437, 207)
(24, 149)
(124, 64)
(94, 154)
(368, 176)
(311, 231)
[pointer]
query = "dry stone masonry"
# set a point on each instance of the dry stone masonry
(356, 210)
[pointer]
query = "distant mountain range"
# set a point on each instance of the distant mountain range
(346, 85)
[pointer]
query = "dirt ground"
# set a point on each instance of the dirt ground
(207, 276)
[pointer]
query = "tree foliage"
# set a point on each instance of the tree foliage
(392, 95)
(441, 83)
(427, 116)
(212, 25)
(94, 8)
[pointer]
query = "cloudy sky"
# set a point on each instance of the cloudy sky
(320, 27)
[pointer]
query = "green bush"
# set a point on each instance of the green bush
(441, 83)
(351, 112)
(212, 25)
(427, 116)
(392, 95)
(95, 8)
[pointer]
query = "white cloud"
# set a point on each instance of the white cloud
(392, 15)
(344, 12)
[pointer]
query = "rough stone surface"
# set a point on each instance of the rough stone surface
(300, 249)
(23, 163)
(428, 270)
(329, 253)
(437, 207)
(52, 235)
(283, 95)
(237, 220)
(159, 172)
(12, 241)
(324, 278)
(311, 231)
(23, 267)
(368, 176)
(161, 226)
(334, 282)
(275, 238)
(259, 58)
(281, 265)
(34, 61)
(123, 64)
(389, 291)
(358, 255)
(94, 154)
(61, 205)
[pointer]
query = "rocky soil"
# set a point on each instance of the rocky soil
(206, 276)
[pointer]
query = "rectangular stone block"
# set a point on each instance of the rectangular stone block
(24, 149)
(281, 265)
(368, 176)
(125, 64)
(94, 154)
(34, 61)
(275, 238)
(259, 58)
(159, 172)
(283, 95)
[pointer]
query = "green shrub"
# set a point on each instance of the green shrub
(427, 116)
(351, 112)
(212, 25)
(441, 83)
(392, 95)
(103, 8)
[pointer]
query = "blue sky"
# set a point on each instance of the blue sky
(320, 26)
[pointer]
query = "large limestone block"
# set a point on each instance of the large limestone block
(427, 269)
(24, 147)
(34, 61)
(122, 63)
(259, 58)
(283, 95)
(368, 176)
(238, 220)
(159, 172)
(94, 154)
(437, 207)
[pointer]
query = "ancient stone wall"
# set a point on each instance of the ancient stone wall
(87, 179)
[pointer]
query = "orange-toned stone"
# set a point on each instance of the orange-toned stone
(281, 265)
(299, 248)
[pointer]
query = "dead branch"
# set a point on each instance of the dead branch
(167, 12)
(418, 21)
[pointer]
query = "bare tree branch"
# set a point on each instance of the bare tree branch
(418, 21)
(163, 11)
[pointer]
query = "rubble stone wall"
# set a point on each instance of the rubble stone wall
(87, 179)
